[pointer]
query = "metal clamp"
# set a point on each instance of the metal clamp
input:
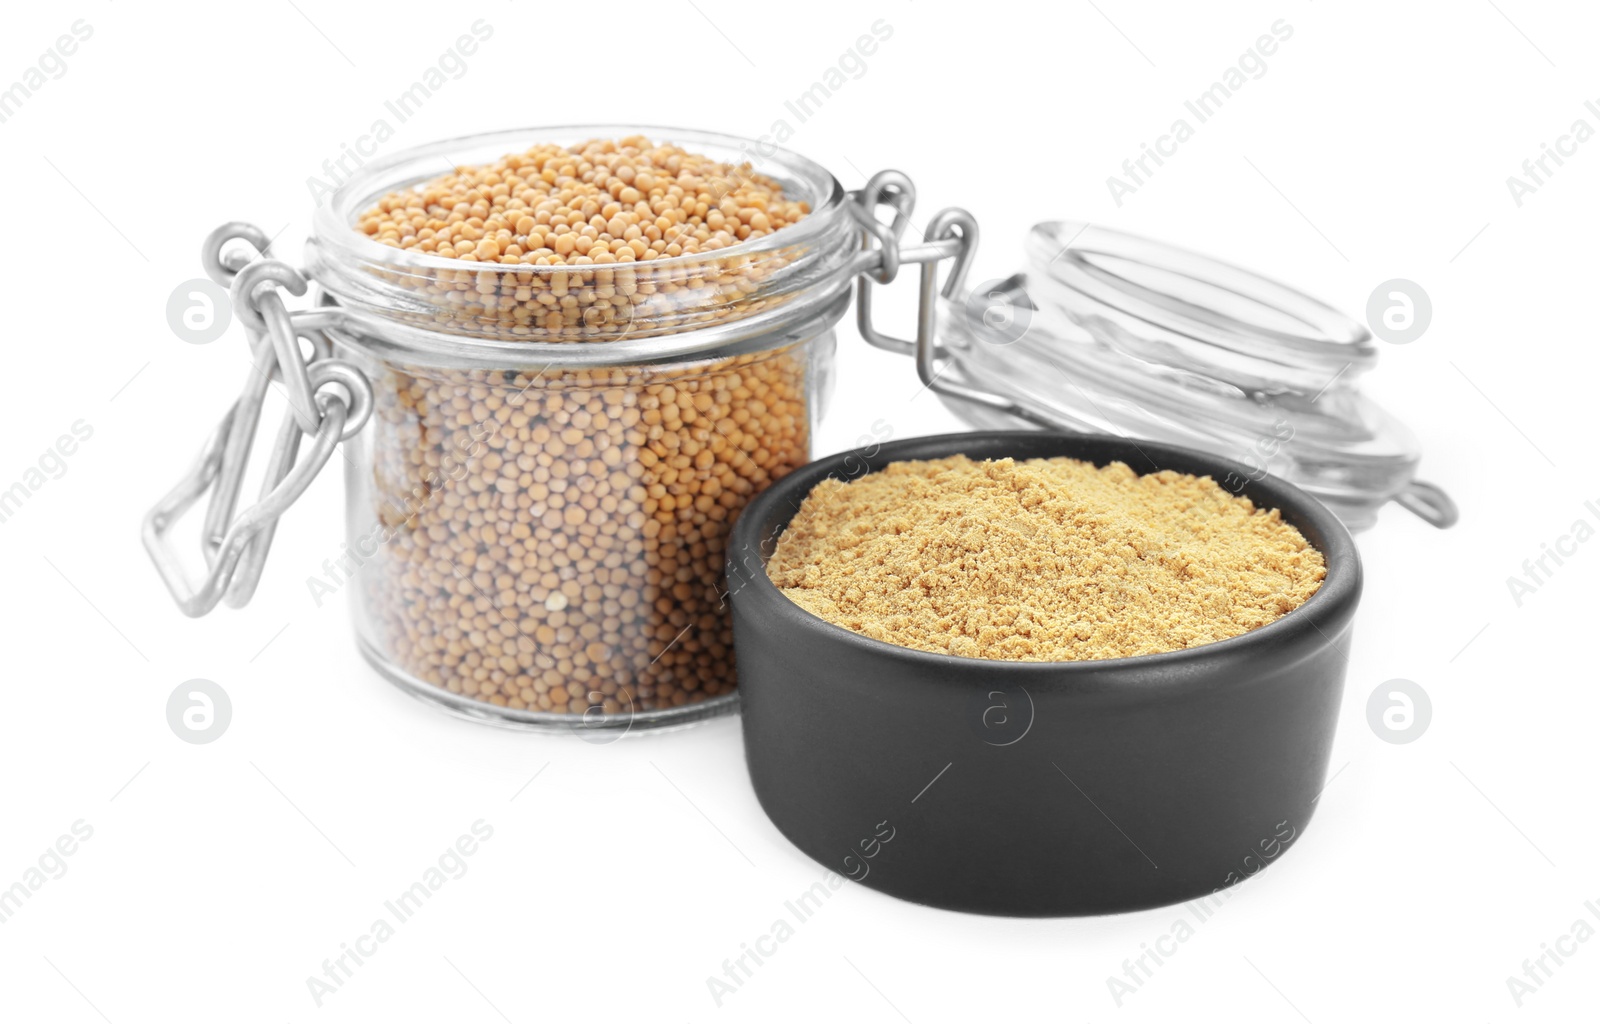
(952, 234)
(329, 401)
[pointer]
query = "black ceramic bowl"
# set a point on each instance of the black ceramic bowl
(1038, 788)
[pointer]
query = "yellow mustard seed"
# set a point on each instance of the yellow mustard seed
(592, 206)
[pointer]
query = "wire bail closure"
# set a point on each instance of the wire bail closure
(329, 401)
(951, 234)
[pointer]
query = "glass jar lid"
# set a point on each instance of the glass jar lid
(1108, 332)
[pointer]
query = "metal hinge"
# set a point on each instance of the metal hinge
(329, 401)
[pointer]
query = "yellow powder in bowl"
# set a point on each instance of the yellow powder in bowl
(1041, 560)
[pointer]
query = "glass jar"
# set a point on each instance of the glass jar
(539, 500)
(556, 454)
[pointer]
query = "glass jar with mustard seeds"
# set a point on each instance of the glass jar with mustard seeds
(566, 359)
(557, 451)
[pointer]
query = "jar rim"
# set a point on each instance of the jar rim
(333, 223)
(691, 302)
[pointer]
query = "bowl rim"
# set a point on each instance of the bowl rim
(1333, 601)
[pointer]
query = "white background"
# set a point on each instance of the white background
(220, 876)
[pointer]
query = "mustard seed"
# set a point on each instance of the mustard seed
(557, 537)
(594, 205)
